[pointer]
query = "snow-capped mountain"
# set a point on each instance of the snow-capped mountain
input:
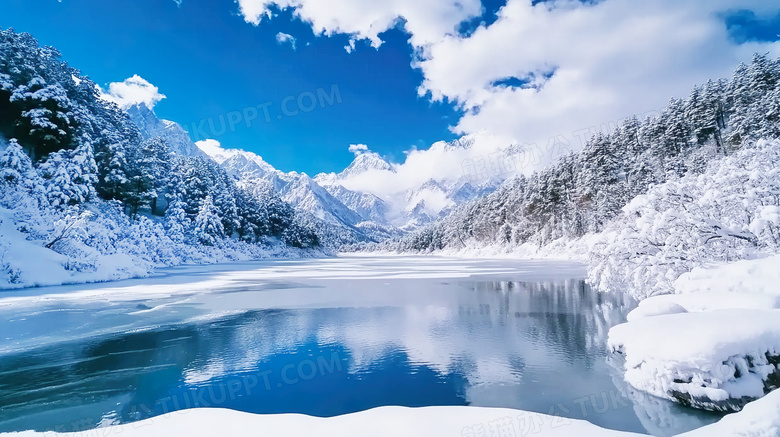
(437, 199)
(174, 135)
(309, 196)
(361, 214)
(327, 197)
(367, 205)
(364, 162)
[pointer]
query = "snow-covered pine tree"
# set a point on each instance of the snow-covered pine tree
(195, 185)
(207, 227)
(149, 169)
(177, 223)
(69, 176)
(18, 178)
(253, 217)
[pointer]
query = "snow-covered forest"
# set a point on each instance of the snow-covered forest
(84, 196)
(105, 192)
(648, 201)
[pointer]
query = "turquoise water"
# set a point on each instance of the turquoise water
(536, 345)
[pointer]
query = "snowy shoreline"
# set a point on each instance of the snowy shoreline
(713, 345)
(758, 419)
(28, 264)
(699, 301)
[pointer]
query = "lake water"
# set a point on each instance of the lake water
(321, 337)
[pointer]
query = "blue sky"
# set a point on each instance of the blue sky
(209, 60)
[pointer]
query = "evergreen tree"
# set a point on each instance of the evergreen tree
(207, 227)
(69, 176)
(19, 178)
(177, 224)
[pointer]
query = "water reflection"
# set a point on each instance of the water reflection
(538, 346)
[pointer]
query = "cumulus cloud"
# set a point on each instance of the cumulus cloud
(592, 65)
(285, 38)
(426, 21)
(357, 149)
(133, 91)
(211, 147)
(544, 75)
(443, 162)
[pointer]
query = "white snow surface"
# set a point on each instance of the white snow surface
(758, 419)
(754, 276)
(712, 341)
(705, 350)
(378, 422)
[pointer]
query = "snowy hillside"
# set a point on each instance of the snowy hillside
(86, 195)
(149, 126)
(338, 200)
(588, 192)
(360, 217)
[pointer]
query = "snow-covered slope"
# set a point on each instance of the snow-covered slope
(309, 196)
(367, 205)
(407, 208)
(332, 197)
(150, 126)
(759, 419)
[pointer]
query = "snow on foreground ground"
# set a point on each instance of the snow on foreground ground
(133, 254)
(759, 419)
(716, 345)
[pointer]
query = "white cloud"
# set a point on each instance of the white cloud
(426, 20)
(211, 147)
(133, 91)
(610, 60)
(357, 149)
(285, 38)
(441, 162)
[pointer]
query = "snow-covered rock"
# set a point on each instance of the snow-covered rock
(716, 360)
(650, 308)
(703, 301)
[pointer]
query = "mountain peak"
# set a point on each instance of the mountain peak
(150, 126)
(364, 162)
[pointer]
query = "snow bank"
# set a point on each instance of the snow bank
(703, 301)
(106, 249)
(757, 276)
(717, 360)
(379, 422)
(759, 419)
(713, 345)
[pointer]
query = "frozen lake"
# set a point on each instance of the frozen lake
(322, 337)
